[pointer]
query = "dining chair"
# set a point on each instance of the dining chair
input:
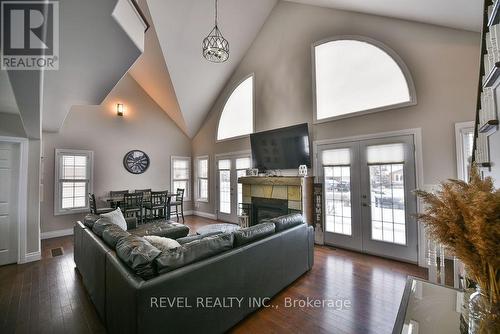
(117, 197)
(93, 206)
(178, 204)
(133, 205)
(157, 206)
(146, 194)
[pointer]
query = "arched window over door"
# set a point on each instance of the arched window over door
(355, 75)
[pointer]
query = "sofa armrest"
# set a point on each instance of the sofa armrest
(131, 223)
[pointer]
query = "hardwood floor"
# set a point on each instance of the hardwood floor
(48, 296)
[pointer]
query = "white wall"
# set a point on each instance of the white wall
(443, 62)
(144, 126)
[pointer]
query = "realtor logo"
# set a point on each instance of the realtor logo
(30, 35)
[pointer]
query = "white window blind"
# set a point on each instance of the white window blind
(73, 181)
(341, 156)
(387, 153)
(181, 175)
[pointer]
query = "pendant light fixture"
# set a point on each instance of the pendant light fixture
(215, 46)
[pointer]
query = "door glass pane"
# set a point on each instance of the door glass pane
(240, 173)
(337, 185)
(225, 191)
(387, 199)
(224, 186)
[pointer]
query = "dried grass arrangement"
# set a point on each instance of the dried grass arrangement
(465, 217)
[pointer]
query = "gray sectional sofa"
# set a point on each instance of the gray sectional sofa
(138, 289)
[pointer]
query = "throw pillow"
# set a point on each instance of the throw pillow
(115, 217)
(162, 243)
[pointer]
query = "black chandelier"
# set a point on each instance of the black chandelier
(215, 46)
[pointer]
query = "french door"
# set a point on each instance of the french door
(368, 196)
(229, 191)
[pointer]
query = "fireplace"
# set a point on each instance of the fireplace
(265, 208)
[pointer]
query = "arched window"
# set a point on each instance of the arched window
(236, 119)
(355, 75)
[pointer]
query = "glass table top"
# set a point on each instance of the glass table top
(428, 308)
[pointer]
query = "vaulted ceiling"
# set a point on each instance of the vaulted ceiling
(181, 27)
(459, 14)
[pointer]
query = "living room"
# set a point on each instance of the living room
(249, 166)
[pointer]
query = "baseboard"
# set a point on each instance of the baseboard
(30, 257)
(205, 215)
(56, 234)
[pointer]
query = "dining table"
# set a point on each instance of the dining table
(115, 201)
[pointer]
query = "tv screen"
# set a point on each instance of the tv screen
(284, 148)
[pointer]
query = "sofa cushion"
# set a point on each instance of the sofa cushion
(285, 222)
(138, 254)
(116, 217)
(193, 251)
(90, 219)
(163, 228)
(252, 233)
(190, 238)
(100, 225)
(112, 234)
(162, 243)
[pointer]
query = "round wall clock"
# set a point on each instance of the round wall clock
(136, 162)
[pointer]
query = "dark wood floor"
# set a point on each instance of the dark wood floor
(48, 297)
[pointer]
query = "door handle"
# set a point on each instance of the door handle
(367, 205)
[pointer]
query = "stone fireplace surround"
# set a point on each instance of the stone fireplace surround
(275, 196)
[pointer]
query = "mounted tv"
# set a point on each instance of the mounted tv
(284, 148)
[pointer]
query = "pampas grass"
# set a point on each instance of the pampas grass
(465, 217)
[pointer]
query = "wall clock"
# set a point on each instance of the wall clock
(136, 162)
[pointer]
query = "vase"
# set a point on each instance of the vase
(479, 311)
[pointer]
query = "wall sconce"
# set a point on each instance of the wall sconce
(119, 109)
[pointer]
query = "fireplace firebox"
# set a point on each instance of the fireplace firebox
(265, 208)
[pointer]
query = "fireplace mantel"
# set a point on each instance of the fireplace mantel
(296, 190)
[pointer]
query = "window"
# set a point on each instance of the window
(202, 179)
(181, 175)
(355, 75)
(73, 181)
(236, 119)
(464, 133)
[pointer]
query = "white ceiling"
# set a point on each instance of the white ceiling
(7, 100)
(460, 14)
(150, 72)
(181, 27)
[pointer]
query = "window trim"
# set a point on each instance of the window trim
(226, 99)
(460, 128)
(390, 52)
(58, 210)
(189, 190)
(197, 192)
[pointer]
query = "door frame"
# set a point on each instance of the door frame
(22, 194)
(228, 155)
(419, 171)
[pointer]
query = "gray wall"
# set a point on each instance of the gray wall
(443, 62)
(11, 125)
(145, 126)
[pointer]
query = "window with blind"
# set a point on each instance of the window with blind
(202, 179)
(181, 175)
(73, 181)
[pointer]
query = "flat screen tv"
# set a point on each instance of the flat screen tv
(284, 148)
